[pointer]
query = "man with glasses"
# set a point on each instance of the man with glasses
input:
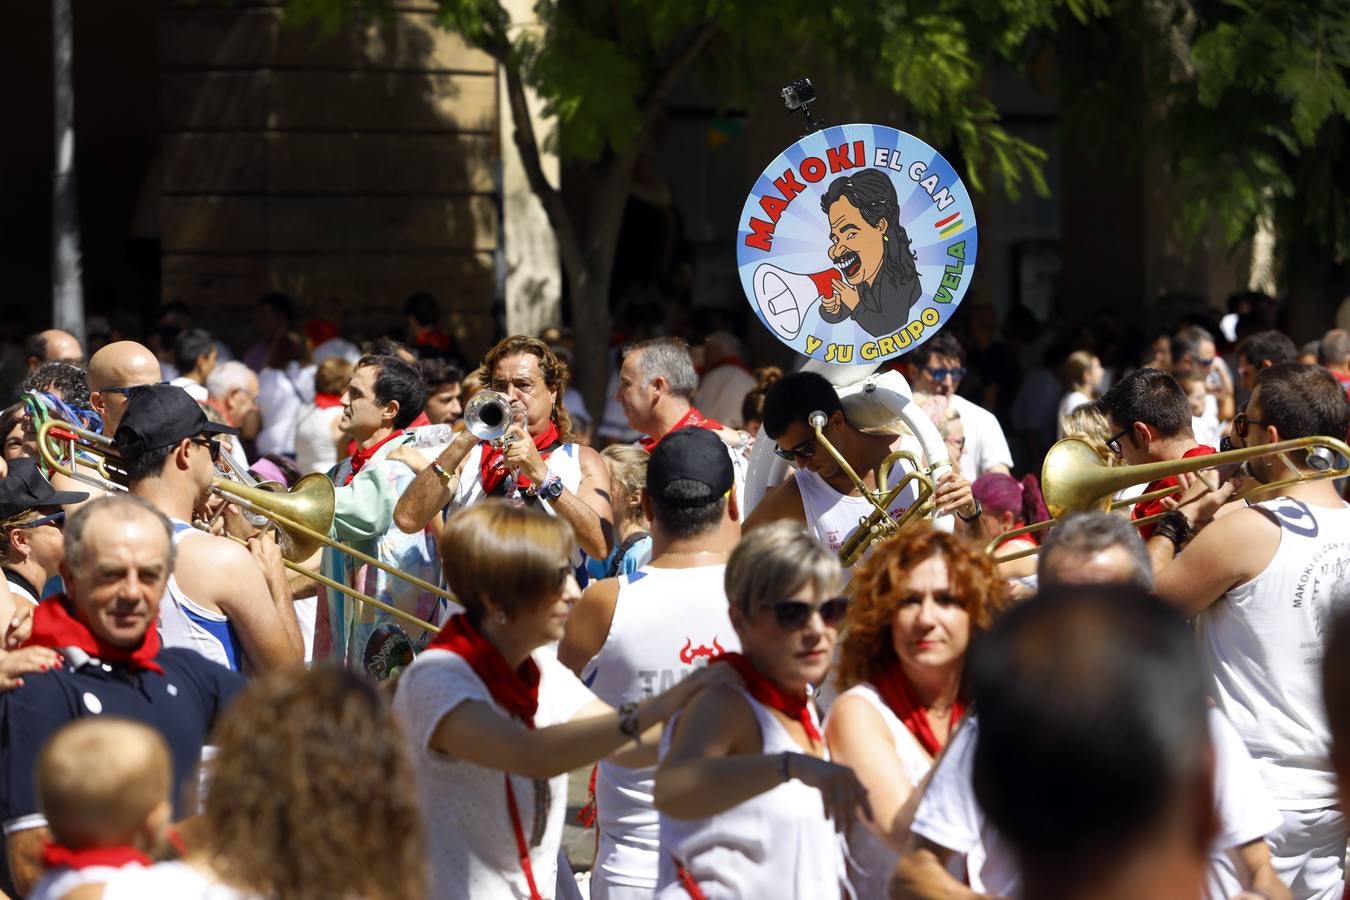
(114, 371)
(1149, 419)
(937, 367)
(634, 636)
(1262, 582)
(31, 523)
(1195, 353)
(821, 495)
(230, 604)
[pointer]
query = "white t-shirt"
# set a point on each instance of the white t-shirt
(470, 842)
(949, 816)
(168, 881)
(194, 390)
(986, 446)
(56, 883)
(282, 395)
(1071, 401)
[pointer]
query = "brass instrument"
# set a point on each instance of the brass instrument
(1074, 479)
(488, 416)
(302, 516)
(878, 525)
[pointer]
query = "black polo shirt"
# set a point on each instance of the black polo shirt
(182, 705)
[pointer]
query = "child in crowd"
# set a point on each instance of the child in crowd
(632, 544)
(103, 786)
(1207, 429)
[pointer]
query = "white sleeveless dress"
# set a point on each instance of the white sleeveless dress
(777, 846)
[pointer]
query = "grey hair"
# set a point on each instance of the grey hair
(226, 377)
(1088, 533)
(668, 358)
(772, 562)
(122, 505)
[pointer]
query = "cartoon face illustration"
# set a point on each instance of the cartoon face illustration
(856, 246)
(879, 281)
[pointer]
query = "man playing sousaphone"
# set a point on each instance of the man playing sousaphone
(821, 494)
(536, 462)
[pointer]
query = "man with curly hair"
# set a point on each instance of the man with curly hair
(539, 462)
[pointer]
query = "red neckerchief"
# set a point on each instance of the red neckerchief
(363, 454)
(432, 337)
(55, 627)
(1156, 506)
(327, 401)
(422, 419)
(516, 692)
(735, 361)
(55, 856)
(766, 692)
(691, 419)
(898, 693)
(491, 468)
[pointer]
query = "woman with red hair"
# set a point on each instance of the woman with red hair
(916, 603)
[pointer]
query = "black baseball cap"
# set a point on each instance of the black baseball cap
(690, 454)
(25, 488)
(161, 415)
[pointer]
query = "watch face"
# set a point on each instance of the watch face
(553, 490)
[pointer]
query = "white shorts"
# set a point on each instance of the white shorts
(1308, 852)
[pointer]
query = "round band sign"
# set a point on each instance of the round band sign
(856, 244)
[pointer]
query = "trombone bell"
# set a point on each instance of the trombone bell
(309, 503)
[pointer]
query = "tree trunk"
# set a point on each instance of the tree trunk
(67, 291)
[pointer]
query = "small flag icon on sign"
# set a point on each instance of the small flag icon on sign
(949, 225)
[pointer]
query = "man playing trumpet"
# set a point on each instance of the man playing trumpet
(536, 462)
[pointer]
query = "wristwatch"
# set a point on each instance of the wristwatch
(973, 516)
(552, 488)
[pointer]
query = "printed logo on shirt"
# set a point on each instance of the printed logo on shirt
(702, 651)
(657, 681)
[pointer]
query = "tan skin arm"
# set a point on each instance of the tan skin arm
(921, 874)
(588, 625)
(784, 502)
(716, 761)
(226, 574)
(859, 738)
(25, 857)
(1258, 874)
(476, 732)
(1195, 579)
(428, 494)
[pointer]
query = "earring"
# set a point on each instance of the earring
(885, 239)
(501, 617)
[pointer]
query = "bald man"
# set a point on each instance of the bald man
(53, 345)
(113, 371)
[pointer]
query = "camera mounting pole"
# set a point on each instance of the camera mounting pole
(799, 95)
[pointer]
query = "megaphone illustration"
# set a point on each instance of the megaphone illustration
(784, 297)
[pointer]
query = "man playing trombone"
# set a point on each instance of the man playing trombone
(1261, 582)
(230, 604)
(384, 396)
(821, 494)
(535, 462)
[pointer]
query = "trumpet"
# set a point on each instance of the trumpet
(302, 516)
(488, 416)
(879, 524)
(1074, 479)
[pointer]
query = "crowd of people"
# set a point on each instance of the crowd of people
(1146, 700)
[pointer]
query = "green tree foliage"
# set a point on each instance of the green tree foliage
(605, 68)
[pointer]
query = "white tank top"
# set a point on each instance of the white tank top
(832, 516)
(666, 622)
(872, 859)
(183, 623)
(777, 846)
(315, 449)
(1263, 643)
(564, 461)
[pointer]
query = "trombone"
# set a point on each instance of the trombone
(302, 516)
(1074, 479)
(879, 524)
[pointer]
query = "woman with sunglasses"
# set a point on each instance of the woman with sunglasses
(496, 722)
(917, 602)
(750, 803)
(32, 540)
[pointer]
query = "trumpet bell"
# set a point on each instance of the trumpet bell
(488, 415)
(309, 503)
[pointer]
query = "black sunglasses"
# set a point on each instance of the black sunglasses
(1241, 423)
(212, 445)
(806, 449)
(793, 614)
(56, 520)
(126, 391)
